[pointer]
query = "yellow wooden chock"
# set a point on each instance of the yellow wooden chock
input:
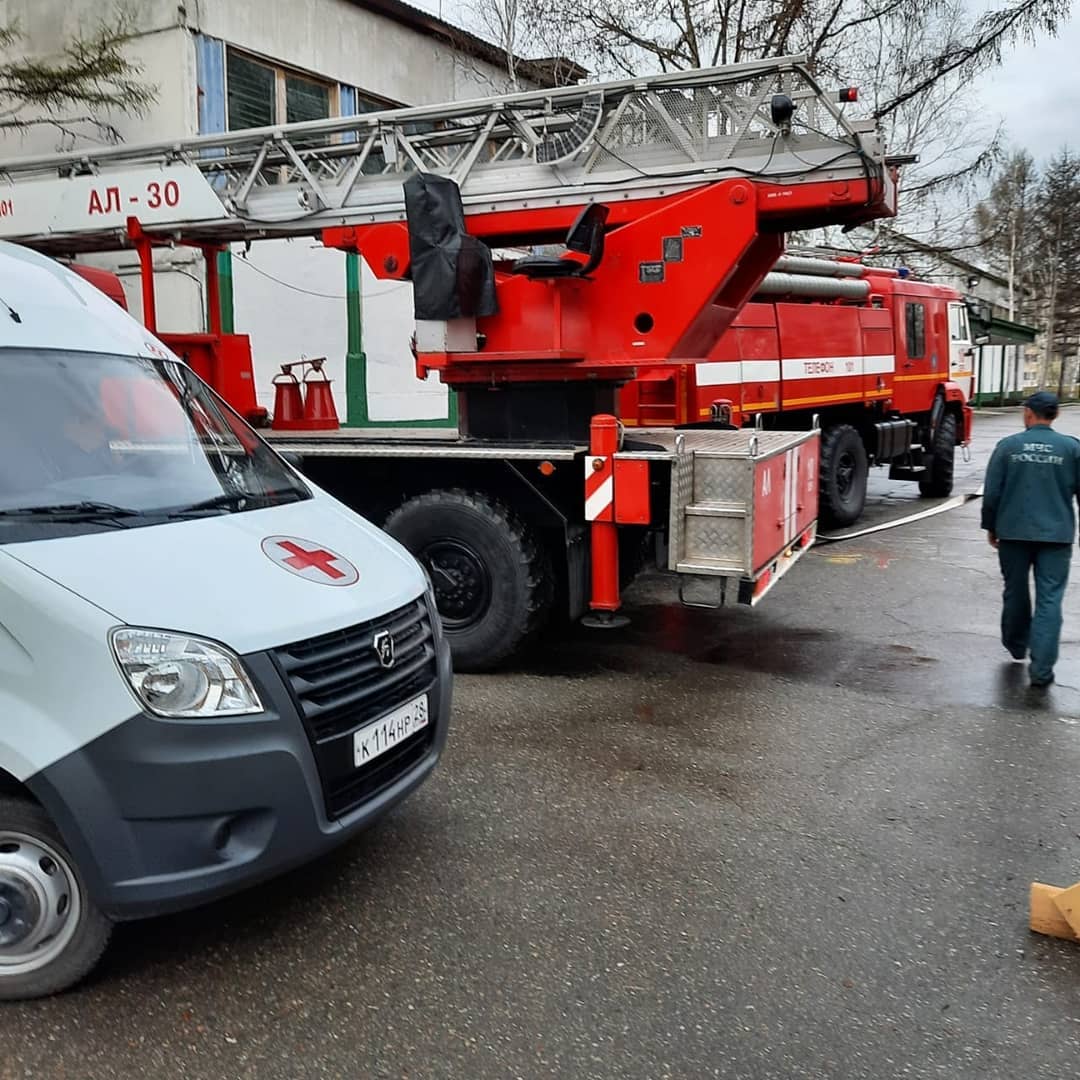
(1055, 912)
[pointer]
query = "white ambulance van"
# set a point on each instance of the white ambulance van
(210, 670)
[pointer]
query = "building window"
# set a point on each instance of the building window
(915, 325)
(376, 161)
(366, 103)
(305, 99)
(261, 94)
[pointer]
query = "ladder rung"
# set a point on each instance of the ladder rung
(634, 138)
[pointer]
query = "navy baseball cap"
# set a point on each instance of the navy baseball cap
(1043, 403)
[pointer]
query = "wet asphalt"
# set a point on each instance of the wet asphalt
(792, 842)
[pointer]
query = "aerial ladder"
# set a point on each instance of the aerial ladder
(671, 195)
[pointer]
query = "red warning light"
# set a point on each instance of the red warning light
(849, 93)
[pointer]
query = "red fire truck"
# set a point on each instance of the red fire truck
(882, 362)
(672, 195)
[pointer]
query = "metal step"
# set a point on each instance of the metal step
(908, 472)
(718, 509)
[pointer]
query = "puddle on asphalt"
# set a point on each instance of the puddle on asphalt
(897, 670)
(957, 670)
(822, 656)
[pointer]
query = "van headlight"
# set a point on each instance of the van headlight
(177, 676)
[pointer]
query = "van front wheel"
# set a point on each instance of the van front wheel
(51, 933)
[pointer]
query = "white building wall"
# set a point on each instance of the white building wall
(339, 40)
(303, 285)
(335, 40)
(987, 288)
(164, 48)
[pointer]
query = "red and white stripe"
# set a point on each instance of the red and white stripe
(726, 372)
(838, 367)
(599, 488)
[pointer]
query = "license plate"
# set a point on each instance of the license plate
(376, 738)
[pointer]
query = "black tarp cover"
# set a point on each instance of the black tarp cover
(451, 271)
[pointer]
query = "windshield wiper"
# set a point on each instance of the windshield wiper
(232, 501)
(85, 510)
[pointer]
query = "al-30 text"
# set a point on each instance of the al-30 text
(155, 196)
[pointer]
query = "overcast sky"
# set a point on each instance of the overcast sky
(1036, 92)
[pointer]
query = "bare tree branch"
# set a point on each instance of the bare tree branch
(992, 31)
(93, 71)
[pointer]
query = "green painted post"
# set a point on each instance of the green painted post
(225, 291)
(355, 360)
(356, 381)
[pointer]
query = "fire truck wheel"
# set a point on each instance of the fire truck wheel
(492, 581)
(51, 933)
(937, 483)
(843, 475)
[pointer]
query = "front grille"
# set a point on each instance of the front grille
(339, 684)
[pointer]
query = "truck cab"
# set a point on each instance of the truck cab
(933, 342)
(211, 671)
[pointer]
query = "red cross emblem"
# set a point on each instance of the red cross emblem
(310, 561)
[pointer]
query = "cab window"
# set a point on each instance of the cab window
(915, 327)
(958, 323)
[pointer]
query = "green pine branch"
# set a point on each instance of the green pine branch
(93, 71)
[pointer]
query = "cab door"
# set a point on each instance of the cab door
(918, 366)
(961, 353)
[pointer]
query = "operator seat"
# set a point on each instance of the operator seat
(586, 236)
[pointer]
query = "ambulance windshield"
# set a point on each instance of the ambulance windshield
(119, 441)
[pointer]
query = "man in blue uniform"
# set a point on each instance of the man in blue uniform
(1032, 483)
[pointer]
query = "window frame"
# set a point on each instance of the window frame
(281, 72)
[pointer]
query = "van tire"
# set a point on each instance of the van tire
(937, 483)
(492, 578)
(28, 837)
(843, 475)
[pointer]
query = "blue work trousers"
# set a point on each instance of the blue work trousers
(1037, 632)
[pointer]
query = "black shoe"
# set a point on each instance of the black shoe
(1019, 655)
(1041, 684)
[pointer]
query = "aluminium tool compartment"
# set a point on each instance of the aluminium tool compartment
(743, 504)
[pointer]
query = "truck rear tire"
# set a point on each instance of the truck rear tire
(844, 470)
(937, 483)
(492, 581)
(51, 932)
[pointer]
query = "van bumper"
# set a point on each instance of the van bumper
(161, 815)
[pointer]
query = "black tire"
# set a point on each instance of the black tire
(937, 482)
(492, 580)
(843, 476)
(35, 862)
